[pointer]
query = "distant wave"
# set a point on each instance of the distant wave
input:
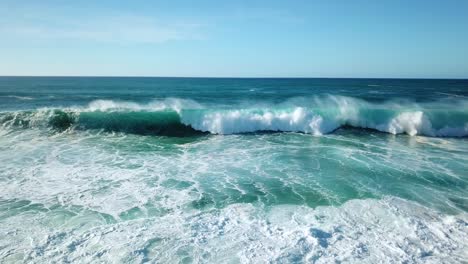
(17, 97)
(316, 116)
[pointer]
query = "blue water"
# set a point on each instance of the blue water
(184, 170)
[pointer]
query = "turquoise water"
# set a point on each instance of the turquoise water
(180, 170)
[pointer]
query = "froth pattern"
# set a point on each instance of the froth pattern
(324, 115)
(366, 231)
(286, 198)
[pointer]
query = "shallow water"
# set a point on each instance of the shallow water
(108, 173)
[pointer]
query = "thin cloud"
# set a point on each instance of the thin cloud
(117, 28)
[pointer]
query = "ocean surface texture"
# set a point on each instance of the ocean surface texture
(199, 170)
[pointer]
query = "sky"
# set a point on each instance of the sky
(212, 38)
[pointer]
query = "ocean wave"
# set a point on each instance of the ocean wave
(17, 97)
(317, 116)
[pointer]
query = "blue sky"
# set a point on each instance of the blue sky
(332, 38)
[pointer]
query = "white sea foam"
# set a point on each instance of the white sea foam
(24, 98)
(82, 197)
(242, 121)
(323, 115)
(410, 123)
(155, 105)
(360, 231)
(313, 122)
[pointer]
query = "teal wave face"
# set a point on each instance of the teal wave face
(164, 123)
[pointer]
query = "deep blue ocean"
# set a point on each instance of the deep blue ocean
(232, 170)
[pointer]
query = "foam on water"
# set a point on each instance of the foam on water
(157, 105)
(326, 114)
(348, 196)
(360, 231)
(242, 121)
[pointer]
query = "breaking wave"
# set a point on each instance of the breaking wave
(317, 116)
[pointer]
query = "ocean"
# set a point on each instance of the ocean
(233, 170)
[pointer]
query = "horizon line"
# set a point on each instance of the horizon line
(226, 77)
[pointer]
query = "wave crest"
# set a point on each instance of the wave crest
(245, 121)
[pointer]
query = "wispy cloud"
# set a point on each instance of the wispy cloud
(116, 28)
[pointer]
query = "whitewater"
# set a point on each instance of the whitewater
(181, 170)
